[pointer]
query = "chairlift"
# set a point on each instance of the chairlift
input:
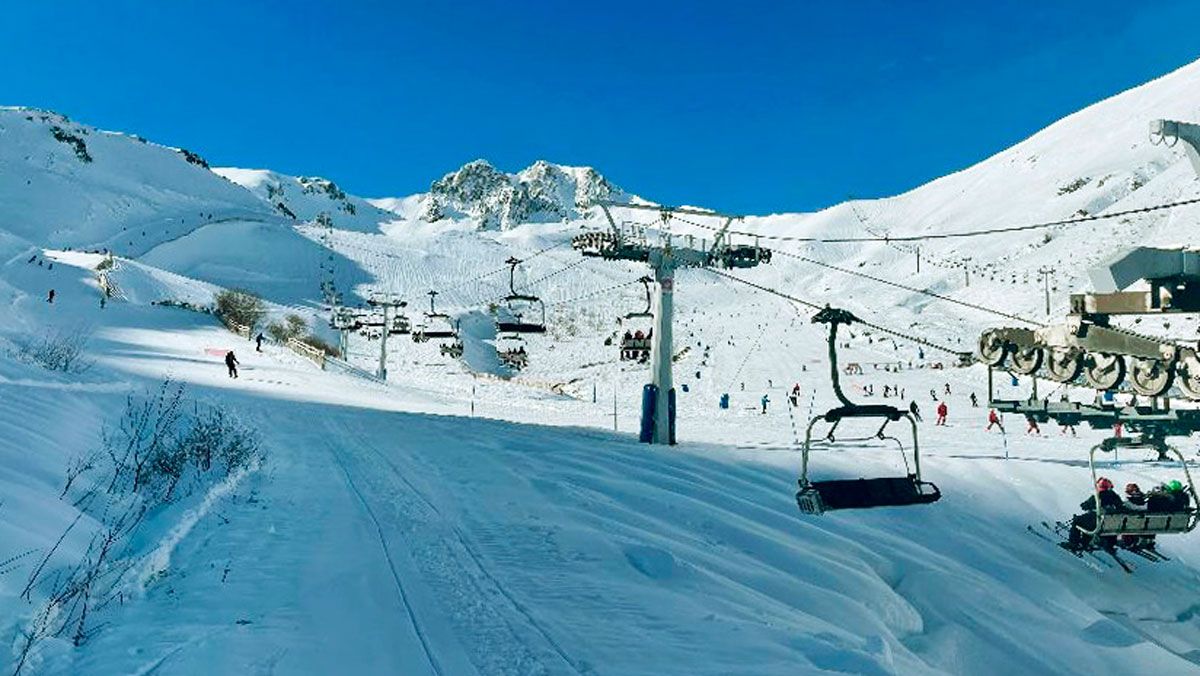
(344, 319)
(520, 313)
(818, 497)
(436, 325)
(510, 348)
(637, 330)
(1111, 523)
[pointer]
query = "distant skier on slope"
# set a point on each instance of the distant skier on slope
(232, 363)
(994, 420)
(50, 297)
(942, 412)
(914, 410)
(258, 342)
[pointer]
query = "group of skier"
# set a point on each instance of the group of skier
(1167, 497)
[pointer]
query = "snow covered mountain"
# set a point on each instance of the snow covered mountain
(540, 193)
(465, 519)
(63, 183)
(306, 198)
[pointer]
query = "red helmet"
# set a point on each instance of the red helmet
(1104, 484)
(1132, 488)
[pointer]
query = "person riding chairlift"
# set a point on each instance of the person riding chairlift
(1109, 502)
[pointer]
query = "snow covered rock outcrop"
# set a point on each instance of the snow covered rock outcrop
(541, 193)
(305, 198)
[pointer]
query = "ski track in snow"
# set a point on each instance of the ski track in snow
(454, 522)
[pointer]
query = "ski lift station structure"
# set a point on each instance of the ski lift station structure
(664, 258)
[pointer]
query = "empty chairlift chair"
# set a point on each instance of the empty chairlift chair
(519, 313)
(436, 325)
(818, 497)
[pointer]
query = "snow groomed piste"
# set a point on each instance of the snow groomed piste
(395, 529)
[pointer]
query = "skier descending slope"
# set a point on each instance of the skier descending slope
(231, 363)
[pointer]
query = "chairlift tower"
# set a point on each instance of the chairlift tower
(388, 303)
(664, 257)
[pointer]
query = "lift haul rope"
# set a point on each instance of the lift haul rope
(871, 325)
(948, 235)
(898, 285)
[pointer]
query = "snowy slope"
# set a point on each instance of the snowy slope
(67, 184)
(305, 198)
(457, 520)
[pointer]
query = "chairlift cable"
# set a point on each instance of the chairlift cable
(953, 235)
(926, 292)
(897, 334)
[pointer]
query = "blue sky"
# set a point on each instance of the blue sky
(744, 106)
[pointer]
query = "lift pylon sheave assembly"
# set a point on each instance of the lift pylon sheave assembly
(1176, 518)
(665, 257)
(1088, 347)
(818, 497)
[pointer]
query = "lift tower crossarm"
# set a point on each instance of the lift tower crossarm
(1171, 132)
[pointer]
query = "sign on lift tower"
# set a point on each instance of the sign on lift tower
(665, 257)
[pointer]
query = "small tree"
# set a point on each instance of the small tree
(293, 326)
(240, 306)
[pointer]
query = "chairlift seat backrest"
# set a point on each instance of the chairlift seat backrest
(1146, 523)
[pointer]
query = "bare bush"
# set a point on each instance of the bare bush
(60, 350)
(293, 326)
(241, 306)
(328, 348)
(162, 448)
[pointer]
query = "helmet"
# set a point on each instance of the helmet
(1104, 484)
(1132, 488)
(1174, 486)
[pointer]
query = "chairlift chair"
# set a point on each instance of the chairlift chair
(818, 497)
(436, 325)
(520, 313)
(1138, 523)
(637, 328)
(510, 348)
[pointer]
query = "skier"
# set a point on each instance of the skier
(933, 393)
(232, 363)
(258, 342)
(1033, 426)
(994, 419)
(947, 388)
(103, 301)
(50, 297)
(1109, 502)
(974, 401)
(765, 400)
(942, 411)
(914, 410)
(1068, 426)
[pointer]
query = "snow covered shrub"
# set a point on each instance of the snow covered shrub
(240, 306)
(59, 350)
(293, 326)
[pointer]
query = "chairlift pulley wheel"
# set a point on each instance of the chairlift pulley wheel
(1104, 371)
(1150, 377)
(993, 349)
(1063, 364)
(1027, 360)
(1188, 374)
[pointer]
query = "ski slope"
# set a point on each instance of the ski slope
(466, 519)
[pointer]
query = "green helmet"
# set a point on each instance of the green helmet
(1174, 486)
